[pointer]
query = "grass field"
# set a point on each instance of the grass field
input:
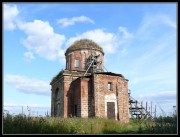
(49, 125)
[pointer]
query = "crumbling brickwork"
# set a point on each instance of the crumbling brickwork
(91, 94)
(118, 95)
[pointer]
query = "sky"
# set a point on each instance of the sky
(139, 41)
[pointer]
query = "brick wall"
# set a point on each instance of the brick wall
(57, 98)
(86, 97)
(82, 56)
(71, 86)
(118, 95)
(81, 97)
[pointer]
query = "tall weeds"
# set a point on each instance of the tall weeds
(21, 124)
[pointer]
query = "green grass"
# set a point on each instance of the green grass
(49, 125)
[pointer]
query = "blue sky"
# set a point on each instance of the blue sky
(139, 41)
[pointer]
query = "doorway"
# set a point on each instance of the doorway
(111, 110)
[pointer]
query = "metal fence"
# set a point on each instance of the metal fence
(27, 110)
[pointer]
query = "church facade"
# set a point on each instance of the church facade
(84, 89)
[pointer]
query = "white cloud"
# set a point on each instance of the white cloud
(152, 23)
(69, 22)
(10, 14)
(108, 41)
(29, 55)
(28, 85)
(152, 67)
(165, 19)
(125, 34)
(42, 40)
(161, 96)
(164, 101)
(153, 55)
(104, 39)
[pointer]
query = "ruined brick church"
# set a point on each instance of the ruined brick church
(84, 89)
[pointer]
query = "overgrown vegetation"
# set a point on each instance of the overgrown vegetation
(21, 124)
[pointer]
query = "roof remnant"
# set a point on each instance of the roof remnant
(84, 44)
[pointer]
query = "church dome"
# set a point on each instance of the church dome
(84, 44)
